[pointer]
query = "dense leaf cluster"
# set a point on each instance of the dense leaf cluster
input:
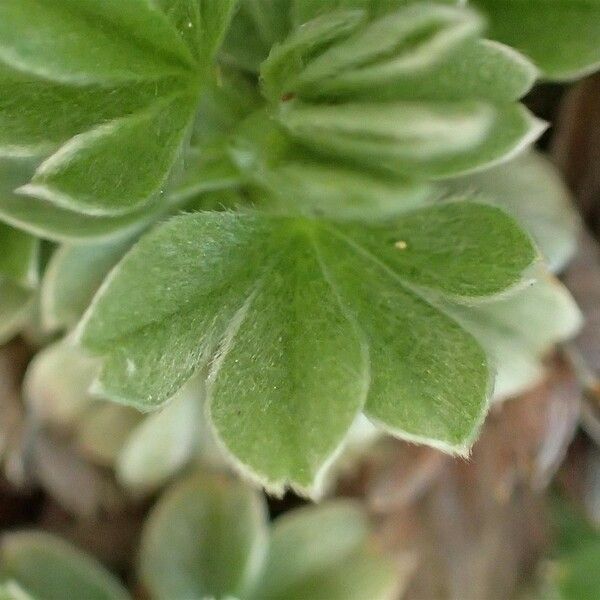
(341, 250)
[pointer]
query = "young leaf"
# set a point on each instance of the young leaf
(47, 567)
(19, 254)
(561, 36)
(287, 306)
(429, 139)
(323, 553)
(204, 539)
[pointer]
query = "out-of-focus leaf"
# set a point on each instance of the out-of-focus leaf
(204, 539)
(517, 332)
(16, 307)
(164, 442)
(19, 254)
(49, 568)
(323, 553)
(561, 36)
(56, 384)
(71, 278)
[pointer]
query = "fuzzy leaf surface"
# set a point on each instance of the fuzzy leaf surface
(306, 323)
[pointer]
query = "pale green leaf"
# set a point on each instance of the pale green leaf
(103, 431)
(531, 189)
(56, 384)
(430, 139)
(51, 569)
(119, 166)
(72, 277)
(519, 331)
(323, 553)
(287, 305)
(19, 256)
(83, 41)
(163, 443)
(561, 36)
(204, 539)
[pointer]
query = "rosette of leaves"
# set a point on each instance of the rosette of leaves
(208, 537)
(302, 323)
(36, 566)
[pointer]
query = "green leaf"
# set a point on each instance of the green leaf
(285, 306)
(37, 115)
(87, 174)
(46, 220)
(83, 41)
(72, 277)
(51, 569)
(531, 189)
(561, 36)
(19, 256)
(204, 539)
(429, 139)
(16, 306)
(322, 553)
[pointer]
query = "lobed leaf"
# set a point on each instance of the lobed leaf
(286, 308)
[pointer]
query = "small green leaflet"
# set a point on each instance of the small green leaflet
(561, 36)
(109, 89)
(46, 567)
(208, 537)
(305, 324)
